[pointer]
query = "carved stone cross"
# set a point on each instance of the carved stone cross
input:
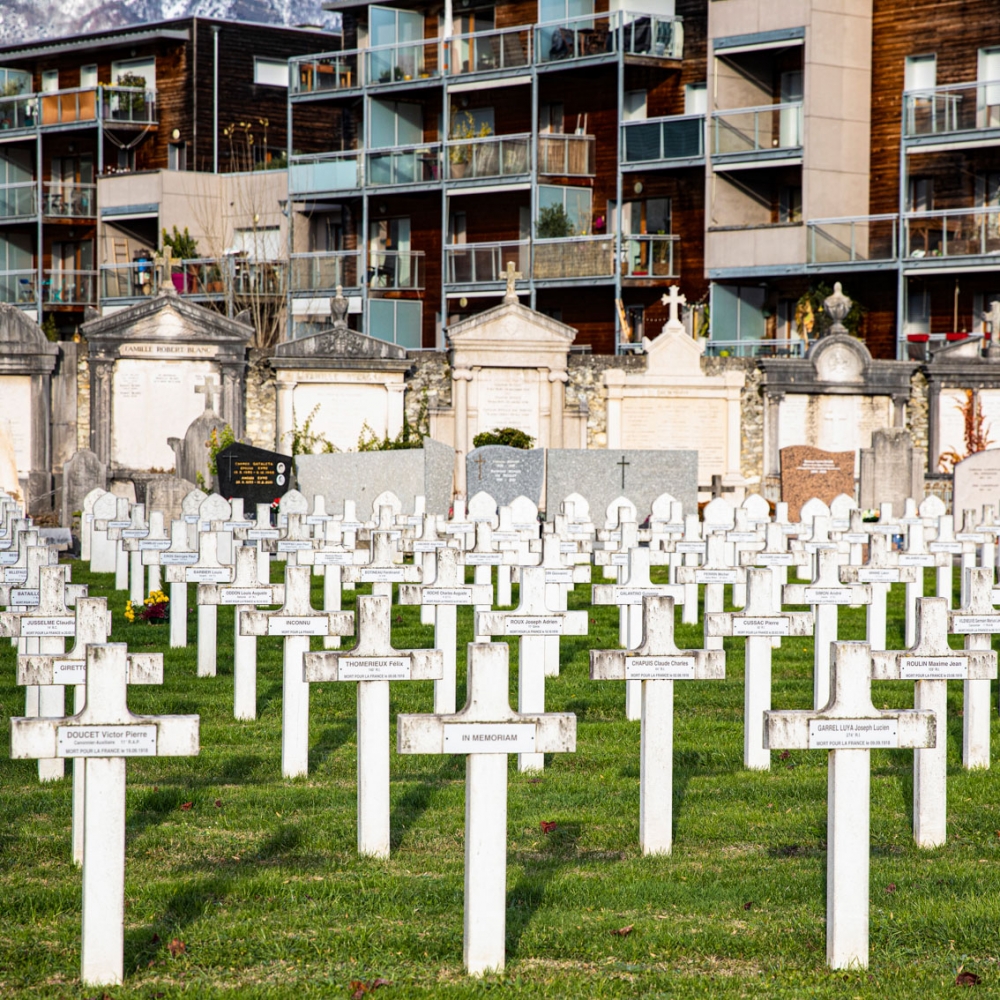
(674, 300)
(512, 278)
(210, 389)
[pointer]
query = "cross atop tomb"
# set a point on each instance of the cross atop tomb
(674, 300)
(210, 389)
(513, 276)
(486, 729)
(850, 727)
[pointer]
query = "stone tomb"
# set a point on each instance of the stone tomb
(808, 472)
(602, 476)
(147, 365)
(253, 474)
(976, 481)
(344, 383)
(892, 470)
(506, 473)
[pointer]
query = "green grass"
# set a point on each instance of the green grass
(260, 879)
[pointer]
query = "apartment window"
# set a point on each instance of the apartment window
(988, 98)
(920, 73)
(576, 202)
(261, 243)
(695, 99)
(403, 30)
(918, 311)
(270, 72)
(14, 81)
(550, 118)
(790, 203)
(921, 194)
(88, 75)
(737, 313)
(395, 123)
(177, 156)
(141, 72)
(634, 105)
(50, 81)
(988, 196)
(398, 321)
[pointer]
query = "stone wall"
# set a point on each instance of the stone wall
(260, 410)
(585, 389)
(428, 384)
(917, 416)
(751, 417)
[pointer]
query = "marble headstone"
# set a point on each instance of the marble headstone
(976, 481)
(81, 474)
(808, 472)
(505, 473)
(892, 470)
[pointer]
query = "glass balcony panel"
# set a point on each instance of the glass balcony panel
(323, 272)
(62, 200)
(395, 270)
(331, 172)
(70, 287)
(636, 34)
(780, 348)
(128, 281)
(402, 62)
(851, 240)
(18, 112)
(963, 107)
(129, 104)
(567, 155)
(959, 232)
(654, 256)
(486, 51)
(491, 156)
(324, 73)
(674, 138)
(18, 200)
(574, 257)
(66, 106)
(753, 130)
(485, 263)
(19, 287)
(413, 165)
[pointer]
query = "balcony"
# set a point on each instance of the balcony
(18, 201)
(70, 288)
(403, 62)
(404, 165)
(488, 157)
(960, 114)
(69, 201)
(19, 287)
(949, 234)
(323, 272)
(489, 51)
(326, 73)
(647, 258)
(601, 35)
(766, 135)
(477, 264)
(567, 155)
(755, 348)
(574, 257)
(325, 173)
(864, 241)
(204, 279)
(676, 141)
(395, 270)
(125, 105)
(19, 112)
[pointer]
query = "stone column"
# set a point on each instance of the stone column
(284, 389)
(733, 475)
(557, 390)
(395, 401)
(614, 388)
(101, 374)
(40, 472)
(933, 420)
(772, 451)
(232, 402)
(460, 394)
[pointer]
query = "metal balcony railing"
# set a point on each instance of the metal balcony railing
(324, 271)
(562, 155)
(485, 263)
(635, 34)
(325, 172)
(127, 104)
(71, 288)
(755, 348)
(650, 256)
(488, 156)
(65, 200)
(19, 287)
(860, 239)
(205, 278)
(19, 111)
(487, 51)
(678, 137)
(964, 107)
(18, 201)
(403, 61)
(329, 71)
(404, 165)
(755, 130)
(395, 270)
(574, 257)
(956, 232)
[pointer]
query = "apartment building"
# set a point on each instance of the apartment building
(99, 132)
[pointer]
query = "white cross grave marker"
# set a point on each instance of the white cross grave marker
(881, 570)
(177, 559)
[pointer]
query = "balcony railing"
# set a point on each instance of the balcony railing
(484, 263)
(852, 240)
(20, 111)
(489, 156)
(756, 130)
(70, 288)
(205, 278)
(63, 200)
(486, 51)
(957, 232)
(574, 257)
(965, 107)
(327, 172)
(755, 348)
(634, 34)
(680, 137)
(403, 61)
(567, 155)
(19, 287)
(324, 271)
(404, 165)
(127, 104)
(653, 256)
(18, 200)
(135, 105)
(326, 72)
(395, 270)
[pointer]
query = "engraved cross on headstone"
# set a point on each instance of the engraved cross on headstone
(210, 389)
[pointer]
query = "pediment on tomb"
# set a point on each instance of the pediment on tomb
(840, 359)
(335, 346)
(24, 349)
(510, 336)
(673, 353)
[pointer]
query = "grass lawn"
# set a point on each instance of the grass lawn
(259, 879)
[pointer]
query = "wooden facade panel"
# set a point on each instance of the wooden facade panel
(591, 311)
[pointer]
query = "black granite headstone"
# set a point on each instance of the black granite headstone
(255, 474)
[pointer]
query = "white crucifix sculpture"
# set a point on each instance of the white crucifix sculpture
(424, 546)
(656, 664)
(486, 730)
(331, 557)
(777, 557)
(150, 547)
(137, 530)
(532, 620)
(382, 570)
(559, 580)
(761, 619)
(850, 727)
(297, 539)
(176, 560)
(92, 625)
(881, 570)
(208, 569)
(448, 591)
(930, 662)
(825, 594)
(916, 555)
(261, 535)
(978, 621)
(104, 732)
(715, 573)
(102, 551)
(296, 621)
(244, 593)
(629, 596)
(944, 544)
(373, 663)
(113, 528)
(673, 300)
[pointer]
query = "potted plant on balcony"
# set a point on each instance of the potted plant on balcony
(130, 105)
(463, 126)
(553, 224)
(183, 247)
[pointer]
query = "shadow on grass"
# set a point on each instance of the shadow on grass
(417, 799)
(331, 739)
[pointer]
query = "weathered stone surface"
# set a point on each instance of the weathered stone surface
(892, 470)
(505, 473)
(166, 494)
(81, 474)
(811, 472)
(976, 482)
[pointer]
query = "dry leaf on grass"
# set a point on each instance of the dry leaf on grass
(548, 827)
(623, 931)
(176, 947)
(359, 987)
(187, 806)
(967, 978)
